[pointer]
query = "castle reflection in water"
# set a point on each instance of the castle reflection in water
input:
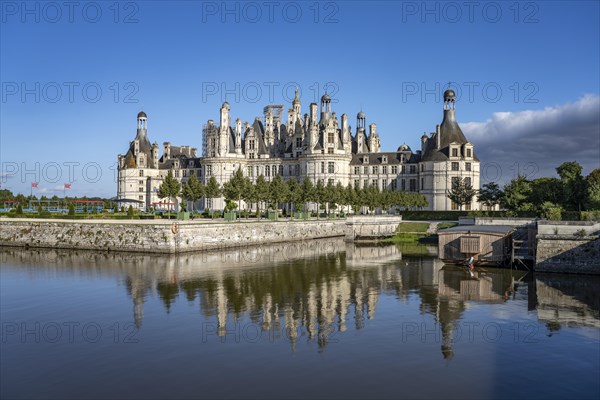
(318, 287)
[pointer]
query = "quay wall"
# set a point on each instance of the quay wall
(151, 236)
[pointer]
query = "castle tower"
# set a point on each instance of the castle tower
(224, 130)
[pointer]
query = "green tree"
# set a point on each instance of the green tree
(340, 195)
(262, 193)
(516, 195)
(6, 194)
(593, 190)
(461, 192)
(573, 184)
(72, 209)
(192, 190)
(19, 209)
(490, 195)
(320, 196)
(331, 196)
(293, 193)
(213, 189)
(249, 195)
(169, 189)
(546, 190)
(306, 192)
(235, 187)
(130, 212)
(351, 198)
(277, 191)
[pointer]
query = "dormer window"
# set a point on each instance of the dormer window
(384, 159)
(454, 152)
(469, 153)
(365, 160)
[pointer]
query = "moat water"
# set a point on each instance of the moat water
(317, 319)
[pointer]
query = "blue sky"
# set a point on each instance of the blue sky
(527, 72)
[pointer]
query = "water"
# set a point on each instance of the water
(318, 319)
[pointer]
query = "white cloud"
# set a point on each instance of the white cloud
(538, 141)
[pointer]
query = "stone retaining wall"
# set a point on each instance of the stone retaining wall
(569, 254)
(155, 236)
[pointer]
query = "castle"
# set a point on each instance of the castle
(315, 145)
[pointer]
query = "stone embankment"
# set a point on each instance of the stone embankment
(173, 237)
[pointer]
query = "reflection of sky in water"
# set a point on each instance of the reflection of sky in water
(312, 320)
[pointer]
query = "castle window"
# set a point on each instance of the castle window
(298, 153)
(199, 172)
(141, 189)
(365, 170)
(454, 166)
(330, 150)
(209, 170)
(375, 169)
(413, 169)
(322, 167)
(384, 184)
(267, 170)
(454, 152)
(176, 173)
(394, 184)
(251, 155)
(141, 198)
(413, 185)
(281, 170)
(468, 181)
(375, 184)
(251, 144)
(297, 170)
(289, 170)
(184, 173)
(384, 169)
(384, 159)
(330, 167)
(394, 169)
(141, 182)
(141, 172)
(356, 170)
(422, 183)
(454, 206)
(298, 142)
(356, 183)
(467, 166)
(330, 137)
(250, 171)
(403, 184)
(468, 152)
(365, 160)
(455, 180)
(468, 206)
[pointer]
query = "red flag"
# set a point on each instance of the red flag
(34, 184)
(67, 186)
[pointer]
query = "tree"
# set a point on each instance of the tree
(293, 193)
(72, 209)
(593, 190)
(192, 190)
(551, 211)
(234, 189)
(213, 189)
(319, 195)
(277, 191)
(130, 212)
(461, 192)
(351, 198)
(262, 192)
(249, 195)
(573, 184)
(306, 192)
(546, 190)
(169, 189)
(330, 196)
(516, 195)
(340, 194)
(6, 194)
(490, 195)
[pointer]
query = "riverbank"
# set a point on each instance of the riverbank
(159, 236)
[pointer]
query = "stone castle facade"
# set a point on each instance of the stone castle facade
(316, 145)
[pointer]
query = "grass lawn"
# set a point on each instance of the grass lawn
(445, 225)
(413, 227)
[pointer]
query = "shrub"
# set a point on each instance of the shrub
(130, 212)
(551, 211)
(71, 209)
(580, 233)
(19, 210)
